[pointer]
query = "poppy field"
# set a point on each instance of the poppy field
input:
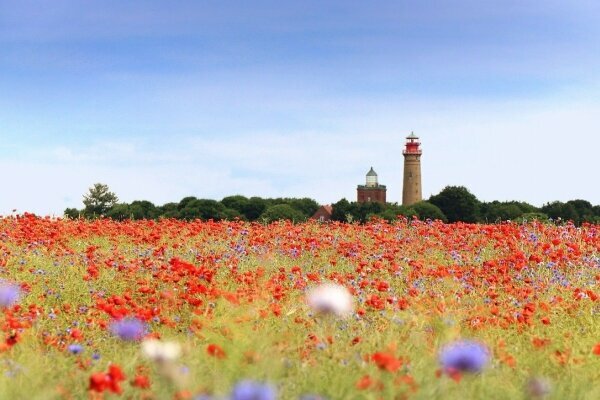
(234, 310)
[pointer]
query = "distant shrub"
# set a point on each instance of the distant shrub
(282, 211)
(533, 216)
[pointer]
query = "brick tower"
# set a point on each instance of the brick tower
(372, 190)
(411, 190)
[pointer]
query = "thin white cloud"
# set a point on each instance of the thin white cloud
(534, 151)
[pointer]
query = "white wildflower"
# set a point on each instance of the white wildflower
(330, 298)
(159, 351)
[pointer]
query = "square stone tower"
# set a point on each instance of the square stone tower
(372, 190)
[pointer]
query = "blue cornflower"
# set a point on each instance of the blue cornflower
(9, 294)
(251, 390)
(75, 348)
(129, 329)
(464, 356)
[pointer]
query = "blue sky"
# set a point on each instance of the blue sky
(161, 100)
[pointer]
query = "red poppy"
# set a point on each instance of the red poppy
(141, 381)
(215, 350)
(387, 361)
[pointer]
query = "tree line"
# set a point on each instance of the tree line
(458, 204)
(452, 204)
(101, 202)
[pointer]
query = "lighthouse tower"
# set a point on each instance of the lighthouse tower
(411, 190)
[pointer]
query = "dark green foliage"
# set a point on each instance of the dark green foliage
(168, 210)
(202, 209)
(251, 209)
(584, 209)
(143, 209)
(282, 211)
(525, 207)
(340, 210)
(363, 211)
(425, 210)
(255, 207)
(389, 215)
(305, 205)
(119, 212)
(98, 200)
(237, 202)
(183, 203)
(230, 214)
(457, 204)
(392, 212)
(559, 210)
(500, 211)
(528, 217)
(139, 209)
(452, 204)
(72, 213)
(191, 207)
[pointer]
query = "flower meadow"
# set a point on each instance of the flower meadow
(233, 310)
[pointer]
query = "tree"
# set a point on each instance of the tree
(168, 210)
(500, 211)
(558, 209)
(202, 208)
(72, 213)
(231, 214)
(143, 209)
(584, 208)
(392, 211)
(305, 205)
(237, 202)
(457, 204)
(99, 200)
(184, 202)
(282, 211)
(255, 207)
(119, 212)
(340, 210)
(426, 210)
(363, 211)
(525, 207)
(532, 216)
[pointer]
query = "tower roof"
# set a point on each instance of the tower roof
(412, 136)
(371, 172)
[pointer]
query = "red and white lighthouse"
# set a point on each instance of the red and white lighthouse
(411, 189)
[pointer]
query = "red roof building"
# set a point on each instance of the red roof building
(323, 213)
